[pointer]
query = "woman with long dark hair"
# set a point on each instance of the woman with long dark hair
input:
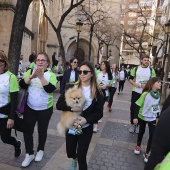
(105, 81)
(70, 75)
(112, 90)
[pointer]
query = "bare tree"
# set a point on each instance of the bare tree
(93, 18)
(17, 34)
(57, 29)
(138, 36)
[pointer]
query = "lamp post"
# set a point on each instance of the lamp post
(149, 47)
(110, 52)
(167, 32)
(79, 25)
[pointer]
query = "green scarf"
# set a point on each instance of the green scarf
(155, 95)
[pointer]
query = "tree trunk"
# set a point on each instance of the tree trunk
(62, 51)
(107, 51)
(165, 84)
(17, 34)
(90, 43)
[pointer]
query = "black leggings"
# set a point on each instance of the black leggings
(6, 133)
(134, 98)
(112, 91)
(121, 85)
(151, 126)
(42, 117)
(77, 146)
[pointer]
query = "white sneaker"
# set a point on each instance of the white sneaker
(27, 160)
(100, 121)
(95, 128)
(39, 155)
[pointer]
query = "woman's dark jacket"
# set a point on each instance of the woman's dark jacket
(92, 114)
(66, 78)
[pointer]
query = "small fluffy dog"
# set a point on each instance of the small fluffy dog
(74, 97)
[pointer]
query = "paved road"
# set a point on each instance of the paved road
(111, 148)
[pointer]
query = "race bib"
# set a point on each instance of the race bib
(155, 109)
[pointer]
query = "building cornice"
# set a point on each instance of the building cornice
(6, 6)
(52, 46)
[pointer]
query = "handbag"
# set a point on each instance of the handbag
(21, 100)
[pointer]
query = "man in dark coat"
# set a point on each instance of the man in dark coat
(32, 57)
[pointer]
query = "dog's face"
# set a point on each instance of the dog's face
(74, 97)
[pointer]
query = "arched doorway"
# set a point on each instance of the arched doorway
(81, 55)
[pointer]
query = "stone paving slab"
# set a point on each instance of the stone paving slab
(120, 114)
(122, 105)
(53, 144)
(119, 132)
(114, 158)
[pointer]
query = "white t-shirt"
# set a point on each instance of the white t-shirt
(87, 95)
(122, 75)
(142, 77)
(103, 79)
(38, 98)
(72, 76)
(8, 84)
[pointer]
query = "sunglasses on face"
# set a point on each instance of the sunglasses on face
(85, 72)
(2, 61)
(76, 62)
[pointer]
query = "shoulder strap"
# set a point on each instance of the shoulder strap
(150, 72)
(136, 68)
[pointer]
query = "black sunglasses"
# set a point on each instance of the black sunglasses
(85, 72)
(76, 62)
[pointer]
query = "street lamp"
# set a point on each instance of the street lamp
(79, 25)
(110, 52)
(149, 47)
(167, 32)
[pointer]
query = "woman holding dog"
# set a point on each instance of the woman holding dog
(40, 84)
(77, 145)
(70, 75)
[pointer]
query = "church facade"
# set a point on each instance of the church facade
(39, 35)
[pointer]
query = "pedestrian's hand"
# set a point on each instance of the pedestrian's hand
(82, 121)
(157, 120)
(135, 121)
(137, 85)
(40, 73)
(10, 123)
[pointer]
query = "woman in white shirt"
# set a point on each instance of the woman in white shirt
(105, 81)
(113, 89)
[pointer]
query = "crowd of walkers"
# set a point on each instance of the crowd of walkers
(98, 85)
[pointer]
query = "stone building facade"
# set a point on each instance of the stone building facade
(39, 35)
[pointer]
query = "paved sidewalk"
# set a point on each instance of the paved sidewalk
(110, 149)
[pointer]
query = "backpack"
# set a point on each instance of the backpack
(136, 68)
